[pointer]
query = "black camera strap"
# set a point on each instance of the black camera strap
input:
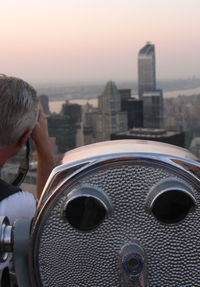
(7, 189)
(23, 168)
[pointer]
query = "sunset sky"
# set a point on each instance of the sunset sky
(97, 40)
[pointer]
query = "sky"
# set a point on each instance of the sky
(97, 40)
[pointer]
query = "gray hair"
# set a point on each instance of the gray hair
(18, 109)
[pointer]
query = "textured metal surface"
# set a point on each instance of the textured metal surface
(64, 256)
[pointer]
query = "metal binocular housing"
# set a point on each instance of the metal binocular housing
(117, 213)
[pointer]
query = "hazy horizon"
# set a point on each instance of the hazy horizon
(133, 82)
(98, 40)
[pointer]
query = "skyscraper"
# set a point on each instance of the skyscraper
(151, 96)
(133, 107)
(146, 69)
(153, 109)
(113, 119)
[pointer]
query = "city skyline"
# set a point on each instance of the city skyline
(90, 40)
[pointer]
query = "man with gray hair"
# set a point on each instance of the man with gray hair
(21, 116)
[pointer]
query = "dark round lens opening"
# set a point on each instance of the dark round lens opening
(172, 206)
(133, 264)
(85, 212)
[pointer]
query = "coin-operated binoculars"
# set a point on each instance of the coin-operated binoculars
(119, 213)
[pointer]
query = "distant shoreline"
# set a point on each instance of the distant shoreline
(55, 105)
(167, 93)
(92, 91)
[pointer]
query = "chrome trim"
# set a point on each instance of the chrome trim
(8, 239)
(93, 191)
(105, 153)
(5, 238)
(167, 185)
(189, 167)
(89, 191)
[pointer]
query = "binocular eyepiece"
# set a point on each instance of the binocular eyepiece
(119, 213)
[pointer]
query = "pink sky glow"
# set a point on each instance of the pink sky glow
(95, 40)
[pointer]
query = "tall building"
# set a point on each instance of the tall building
(112, 118)
(153, 109)
(73, 111)
(125, 94)
(111, 101)
(146, 69)
(152, 97)
(133, 107)
(64, 129)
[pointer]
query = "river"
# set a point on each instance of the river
(55, 106)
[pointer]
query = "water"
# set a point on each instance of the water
(56, 106)
(188, 92)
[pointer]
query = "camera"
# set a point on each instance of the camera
(117, 213)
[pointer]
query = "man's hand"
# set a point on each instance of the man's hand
(40, 129)
(44, 151)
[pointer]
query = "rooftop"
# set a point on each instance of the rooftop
(149, 132)
(148, 49)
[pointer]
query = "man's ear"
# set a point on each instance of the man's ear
(23, 139)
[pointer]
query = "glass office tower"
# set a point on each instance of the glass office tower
(146, 69)
(113, 119)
